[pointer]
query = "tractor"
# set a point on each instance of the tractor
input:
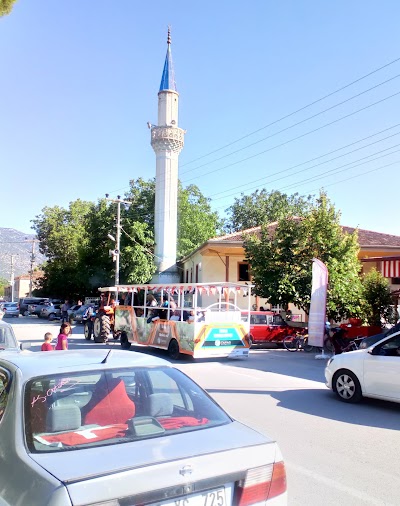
(101, 324)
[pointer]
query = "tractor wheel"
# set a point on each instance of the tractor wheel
(101, 328)
(88, 330)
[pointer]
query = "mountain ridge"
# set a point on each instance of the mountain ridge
(17, 245)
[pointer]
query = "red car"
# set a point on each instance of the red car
(268, 327)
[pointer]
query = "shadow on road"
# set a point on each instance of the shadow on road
(323, 403)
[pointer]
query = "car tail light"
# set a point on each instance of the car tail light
(261, 484)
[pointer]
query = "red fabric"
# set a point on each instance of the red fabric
(47, 347)
(176, 422)
(115, 408)
(87, 435)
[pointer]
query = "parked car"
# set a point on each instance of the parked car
(36, 309)
(268, 327)
(73, 309)
(369, 372)
(25, 302)
(124, 428)
(8, 341)
(11, 309)
(51, 311)
(81, 315)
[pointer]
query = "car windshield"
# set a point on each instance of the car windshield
(7, 339)
(86, 409)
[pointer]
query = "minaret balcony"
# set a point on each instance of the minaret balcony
(167, 138)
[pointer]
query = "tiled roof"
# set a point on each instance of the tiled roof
(366, 238)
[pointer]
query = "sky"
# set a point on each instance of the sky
(295, 96)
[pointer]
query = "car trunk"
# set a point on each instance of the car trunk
(161, 469)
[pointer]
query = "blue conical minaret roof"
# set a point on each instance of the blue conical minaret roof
(168, 75)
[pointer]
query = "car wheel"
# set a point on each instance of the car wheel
(52, 317)
(346, 385)
(88, 331)
(173, 349)
(26, 313)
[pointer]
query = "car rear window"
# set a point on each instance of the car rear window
(7, 339)
(86, 409)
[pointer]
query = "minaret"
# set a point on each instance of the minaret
(167, 141)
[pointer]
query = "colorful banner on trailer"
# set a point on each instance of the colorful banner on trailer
(317, 317)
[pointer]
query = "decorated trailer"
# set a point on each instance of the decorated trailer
(197, 319)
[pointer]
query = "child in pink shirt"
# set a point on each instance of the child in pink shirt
(62, 338)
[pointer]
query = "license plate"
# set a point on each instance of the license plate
(215, 497)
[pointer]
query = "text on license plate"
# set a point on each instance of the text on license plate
(214, 497)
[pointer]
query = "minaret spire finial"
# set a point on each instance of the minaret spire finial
(169, 35)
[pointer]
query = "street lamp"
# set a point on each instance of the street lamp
(117, 239)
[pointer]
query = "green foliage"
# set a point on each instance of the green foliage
(196, 222)
(76, 244)
(281, 260)
(3, 284)
(263, 207)
(6, 6)
(379, 306)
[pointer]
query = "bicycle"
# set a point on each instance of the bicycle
(337, 344)
(297, 342)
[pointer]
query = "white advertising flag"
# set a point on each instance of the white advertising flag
(317, 317)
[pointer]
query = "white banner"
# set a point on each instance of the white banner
(317, 317)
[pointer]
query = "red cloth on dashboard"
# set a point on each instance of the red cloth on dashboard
(86, 435)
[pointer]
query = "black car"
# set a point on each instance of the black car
(370, 340)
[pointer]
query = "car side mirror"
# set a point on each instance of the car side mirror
(24, 346)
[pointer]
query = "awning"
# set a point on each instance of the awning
(390, 268)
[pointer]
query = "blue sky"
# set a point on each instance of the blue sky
(80, 81)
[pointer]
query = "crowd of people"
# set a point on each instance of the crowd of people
(169, 310)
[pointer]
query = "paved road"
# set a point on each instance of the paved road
(336, 454)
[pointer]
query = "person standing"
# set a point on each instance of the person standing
(64, 312)
(62, 338)
(47, 346)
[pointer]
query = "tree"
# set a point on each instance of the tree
(76, 244)
(379, 306)
(6, 6)
(263, 207)
(281, 260)
(196, 222)
(3, 284)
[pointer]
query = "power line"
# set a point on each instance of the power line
(337, 170)
(294, 125)
(295, 138)
(303, 163)
(294, 112)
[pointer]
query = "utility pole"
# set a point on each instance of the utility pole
(12, 277)
(116, 251)
(33, 241)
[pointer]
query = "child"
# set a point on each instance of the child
(46, 346)
(62, 338)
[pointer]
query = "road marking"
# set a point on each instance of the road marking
(312, 475)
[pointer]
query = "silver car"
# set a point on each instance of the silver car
(111, 428)
(10, 309)
(8, 341)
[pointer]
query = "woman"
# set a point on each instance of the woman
(62, 338)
